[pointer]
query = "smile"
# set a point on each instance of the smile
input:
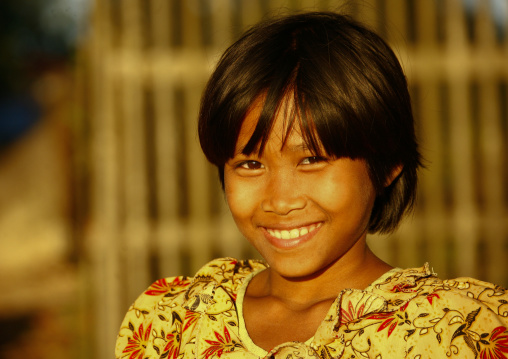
(293, 233)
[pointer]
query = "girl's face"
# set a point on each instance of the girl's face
(301, 212)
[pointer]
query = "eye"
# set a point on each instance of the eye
(312, 160)
(250, 165)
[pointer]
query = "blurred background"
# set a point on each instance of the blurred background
(103, 187)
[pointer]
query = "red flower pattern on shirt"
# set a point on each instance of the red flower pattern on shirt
(162, 286)
(173, 344)
(137, 343)
(190, 319)
(431, 297)
(351, 313)
(497, 347)
(223, 344)
(391, 319)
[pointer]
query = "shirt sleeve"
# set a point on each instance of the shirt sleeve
(136, 330)
(462, 318)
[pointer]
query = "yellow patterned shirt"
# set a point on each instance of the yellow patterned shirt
(404, 314)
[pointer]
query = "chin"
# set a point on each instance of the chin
(296, 269)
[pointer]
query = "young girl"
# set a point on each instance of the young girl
(308, 120)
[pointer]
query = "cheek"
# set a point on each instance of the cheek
(345, 196)
(364, 202)
(240, 198)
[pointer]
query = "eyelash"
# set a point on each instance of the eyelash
(255, 165)
(313, 159)
(246, 165)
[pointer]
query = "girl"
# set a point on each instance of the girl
(308, 120)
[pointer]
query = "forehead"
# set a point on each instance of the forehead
(249, 123)
(284, 129)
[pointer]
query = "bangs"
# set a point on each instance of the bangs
(295, 117)
(328, 126)
(338, 105)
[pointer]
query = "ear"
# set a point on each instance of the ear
(393, 174)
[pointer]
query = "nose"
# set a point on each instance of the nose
(283, 194)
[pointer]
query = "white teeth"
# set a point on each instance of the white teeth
(276, 234)
(293, 233)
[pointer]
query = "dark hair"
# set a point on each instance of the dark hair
(350, 94)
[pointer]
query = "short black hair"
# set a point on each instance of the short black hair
(349, 91)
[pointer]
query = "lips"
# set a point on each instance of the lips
(289, 238)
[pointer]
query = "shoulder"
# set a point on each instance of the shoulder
(225, 272)
(425, 288)
(423, 284)
(228, 271)
(464, 317)
(169, 301)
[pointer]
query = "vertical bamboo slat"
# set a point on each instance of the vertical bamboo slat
(227, 238)
(221, 25)
(465, 229)
(103, 239)
(491, 150)
(396, 24)
(169, 232)
(191, 25)
(432, 192)
(136, 227)
(251, 12)
(199, 240)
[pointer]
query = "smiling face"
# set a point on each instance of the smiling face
(304, 213)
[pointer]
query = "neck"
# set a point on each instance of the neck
(324, 285)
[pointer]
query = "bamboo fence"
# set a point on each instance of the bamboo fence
(153, 206)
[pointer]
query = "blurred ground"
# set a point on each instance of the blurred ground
(38, 281)
(39, 297)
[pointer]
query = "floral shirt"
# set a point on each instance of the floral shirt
(404, 314)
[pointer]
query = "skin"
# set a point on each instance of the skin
(325, 203)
